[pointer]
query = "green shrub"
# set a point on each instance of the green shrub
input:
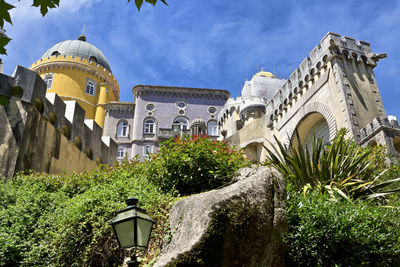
(193, 165)
(342, 168)
(326, 233)
(48, 220)
(60, 220)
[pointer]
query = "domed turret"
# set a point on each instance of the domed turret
(78, 48)
(263, 84)
(77, 70)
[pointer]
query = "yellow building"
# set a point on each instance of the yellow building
(77, 70)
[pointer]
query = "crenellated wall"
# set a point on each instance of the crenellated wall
(382, 131)
(43, 133)
(335, 82)
(315, 65)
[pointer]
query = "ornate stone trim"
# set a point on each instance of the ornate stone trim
(314, 107)
(181, 92)
(300, 104)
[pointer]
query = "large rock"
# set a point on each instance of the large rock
(238, 225)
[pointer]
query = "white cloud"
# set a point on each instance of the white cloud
(75, 5)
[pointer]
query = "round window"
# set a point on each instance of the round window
(181, 104)
(150, 107)
(182, 112)
(212, 110)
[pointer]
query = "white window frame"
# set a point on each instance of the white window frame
(121, 149)
(183, 125)
(212, 113)
(148, 149)
(181, 101)
(48, 79)
(149, 127)
(212, 130)
(150, 110)
(124, 126)
(90, 87)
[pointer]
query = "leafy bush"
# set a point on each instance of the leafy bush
(193, 165)
(48, 220)
(326, 233)
(58, 220)
(343, 169)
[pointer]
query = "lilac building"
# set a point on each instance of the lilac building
(161, 112)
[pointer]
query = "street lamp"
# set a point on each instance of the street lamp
(132, 226)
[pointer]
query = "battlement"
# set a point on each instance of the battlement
(376, 125)
(28, 111)
(315, 65)
(230, 104)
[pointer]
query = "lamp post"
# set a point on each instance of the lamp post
(132, 226)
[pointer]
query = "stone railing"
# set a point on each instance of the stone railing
(166, 133)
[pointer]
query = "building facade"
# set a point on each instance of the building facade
(159, 113)
(334, 87)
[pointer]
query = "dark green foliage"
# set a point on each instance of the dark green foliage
(326, 233)
(139, 3)
(57, 220)
(343, 169)
(5, 12)
(194, 165)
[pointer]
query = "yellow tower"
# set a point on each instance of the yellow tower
(77, 70)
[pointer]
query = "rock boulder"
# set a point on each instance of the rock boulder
(238, 225)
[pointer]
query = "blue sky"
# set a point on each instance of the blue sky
(209, 43)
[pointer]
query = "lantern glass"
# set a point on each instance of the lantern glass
(132, 226)
(125, 233)
(144, 224)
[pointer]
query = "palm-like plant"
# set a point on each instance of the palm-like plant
(341, 169)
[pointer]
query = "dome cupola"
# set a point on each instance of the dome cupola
(78, 48)
(263, 84)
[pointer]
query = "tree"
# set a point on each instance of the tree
(44, 6)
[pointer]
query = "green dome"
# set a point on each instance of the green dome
(78, 48)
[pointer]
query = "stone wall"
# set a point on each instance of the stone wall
(336, 80)
(42, 133)
(382, 131)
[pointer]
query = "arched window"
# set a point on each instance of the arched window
(94, 59)
(149, 126)
(212, 128)
(48, 79)
(90, 88)
(122, 129)
(180, 124)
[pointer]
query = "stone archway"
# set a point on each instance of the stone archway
(304, 112)
(312, 124)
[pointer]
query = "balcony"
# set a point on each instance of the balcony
(166, 133)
